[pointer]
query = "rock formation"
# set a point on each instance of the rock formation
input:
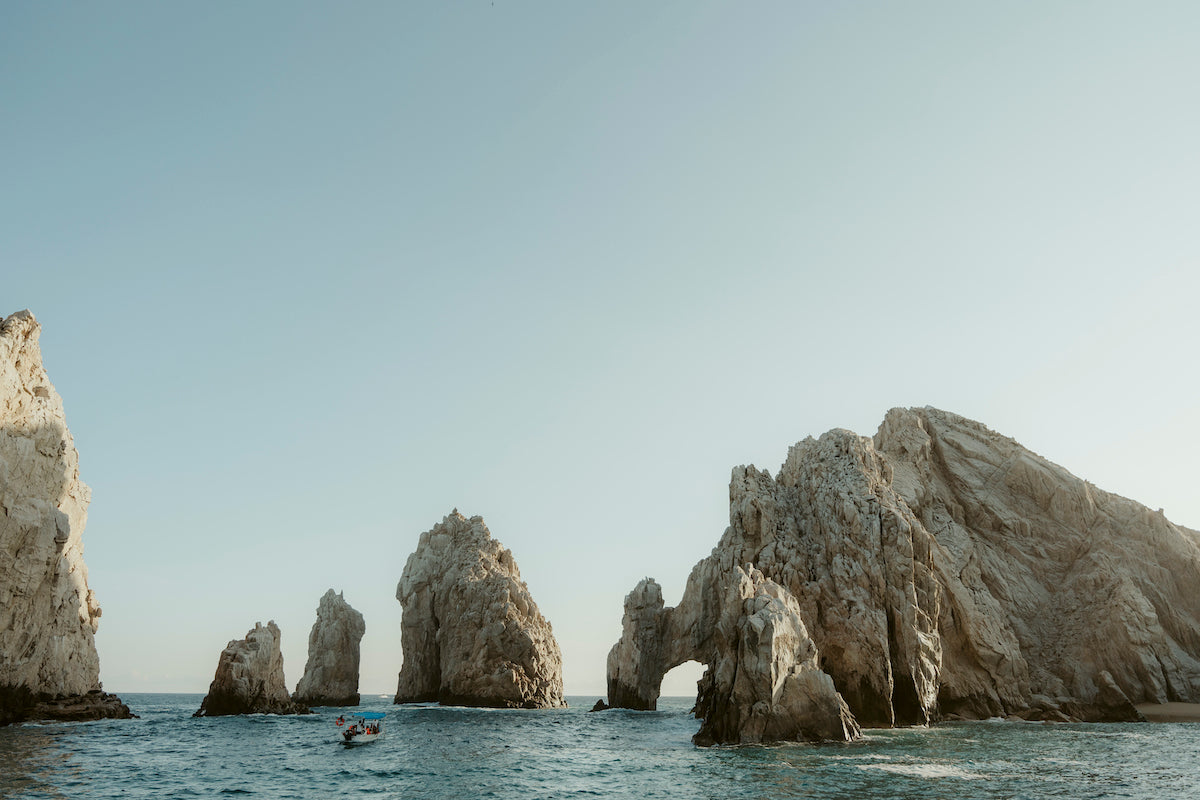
(471, 633)
(249, 678)
(49, 668)
(941, 571)
(331, 673)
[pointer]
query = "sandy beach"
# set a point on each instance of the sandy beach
(1170, 712)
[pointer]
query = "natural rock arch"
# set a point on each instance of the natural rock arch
(941, 569)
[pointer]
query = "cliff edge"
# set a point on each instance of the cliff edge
(49, 668)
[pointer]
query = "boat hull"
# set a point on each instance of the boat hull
(365, 738)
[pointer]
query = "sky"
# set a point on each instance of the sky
(312, 275)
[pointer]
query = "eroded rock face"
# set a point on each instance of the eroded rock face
(1056, 595)
(763, 682)
(471, 633)
(941, 569)
(49, 668)
(249, 678)
(331, 673)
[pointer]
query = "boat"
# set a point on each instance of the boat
(361, 728)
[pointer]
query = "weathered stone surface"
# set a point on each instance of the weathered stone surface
(331, 672)
(1057, 595)
(942, 570)
(49, 668)
(249, 678)
(639, 659)
(471, 633)
(763, 682)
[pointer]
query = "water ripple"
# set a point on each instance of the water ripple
(434, 752)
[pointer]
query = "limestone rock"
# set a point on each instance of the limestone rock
(49, 668)
(470, 632)
(249, 678)
(638, 661)
(763, 682)
(941, 569)
(331, 673)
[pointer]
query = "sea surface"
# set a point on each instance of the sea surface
(434, 752)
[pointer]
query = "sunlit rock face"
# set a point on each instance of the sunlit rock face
(331, 673)
(763, 682)
(942, 570)
(249, 678)
(49, 668)
(471, 633)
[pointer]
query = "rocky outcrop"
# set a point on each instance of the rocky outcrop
(942, 570)
(762, 681)
(249, 678)
(49, 668)
(331, 672)
(471, 633)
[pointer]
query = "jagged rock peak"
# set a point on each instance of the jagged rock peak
(637, 658)
(249, 678)
(49, 668)
(942, 570)
(332, 670)
(470, 632)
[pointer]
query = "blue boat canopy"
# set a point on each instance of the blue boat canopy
(368, 715)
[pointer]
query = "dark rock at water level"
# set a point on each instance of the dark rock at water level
(19, 704)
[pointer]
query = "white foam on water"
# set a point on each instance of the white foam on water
(926, 771)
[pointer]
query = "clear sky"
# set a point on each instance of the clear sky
(311, 275)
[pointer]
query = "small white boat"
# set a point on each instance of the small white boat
(362, 728)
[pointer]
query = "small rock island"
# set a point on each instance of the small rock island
(249, 678)
(470, 632)
(332, 670)
(49, 668)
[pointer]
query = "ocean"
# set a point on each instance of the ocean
(435, 752)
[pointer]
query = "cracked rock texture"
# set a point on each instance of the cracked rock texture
(49, 668)
(470, 632)
(249, 678)
(331, 672)
(943, 570)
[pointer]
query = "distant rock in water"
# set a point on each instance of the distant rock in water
(940, 570)
(471, 633)
(331, 673)
(600, 706)
(49, 668)
(249, 678)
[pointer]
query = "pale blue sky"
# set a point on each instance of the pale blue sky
(311, 275)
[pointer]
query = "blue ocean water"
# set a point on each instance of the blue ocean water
(434, 752)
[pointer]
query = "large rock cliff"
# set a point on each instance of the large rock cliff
(331, 672)
(49, 668)
(942, 570)
(471, 633)
(249, 678)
